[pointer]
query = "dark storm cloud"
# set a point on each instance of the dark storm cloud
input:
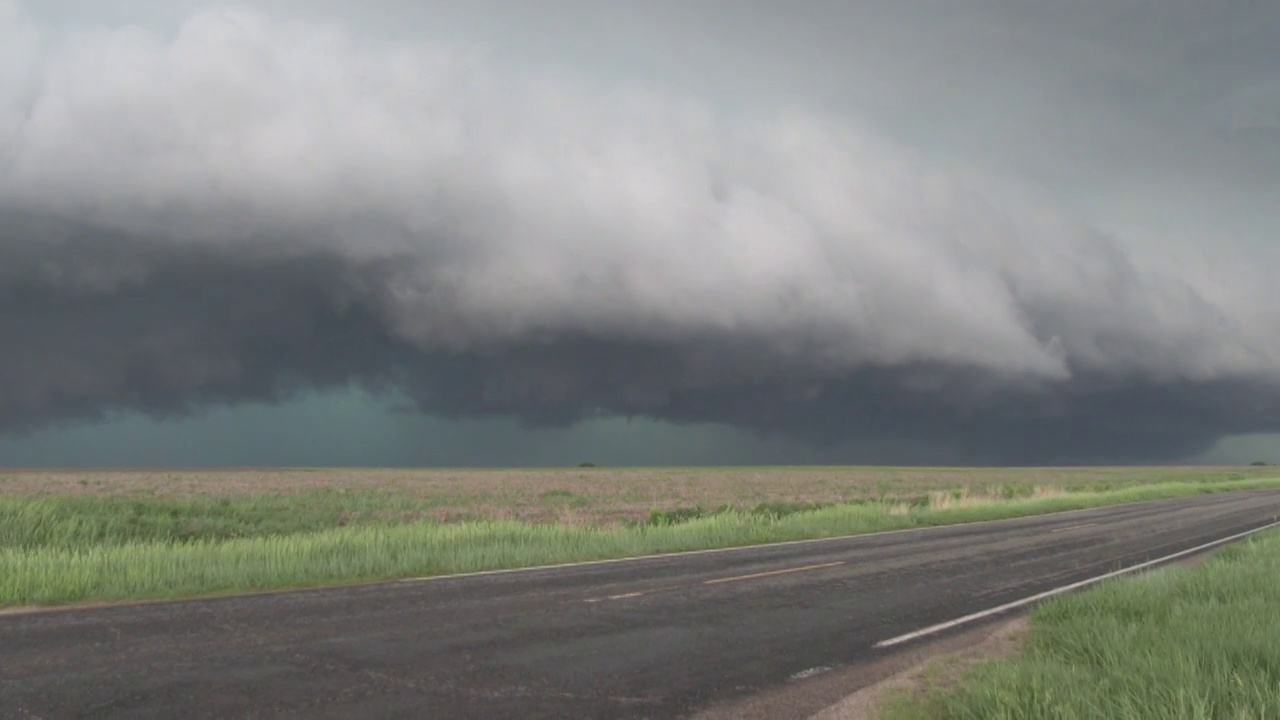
(254, 208)
(94, 320)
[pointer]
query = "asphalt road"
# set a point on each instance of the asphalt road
(656, 637)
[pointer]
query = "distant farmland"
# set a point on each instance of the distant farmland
(599, 495)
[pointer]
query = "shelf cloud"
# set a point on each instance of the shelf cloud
(256, 206)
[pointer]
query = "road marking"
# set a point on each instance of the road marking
(809, 673)
(1073, 527)
(772, 572)
(934, 629)
(623, 596)
(716, 581)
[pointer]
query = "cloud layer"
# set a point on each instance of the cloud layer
(251, 207)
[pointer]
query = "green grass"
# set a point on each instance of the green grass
(56, 550)
(1199, 642)
(76, 522)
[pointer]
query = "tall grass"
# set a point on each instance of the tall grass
(79, 521)
(1201, 642)
(49, 554)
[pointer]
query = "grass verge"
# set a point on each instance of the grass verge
(51, 554)
(1198, 642)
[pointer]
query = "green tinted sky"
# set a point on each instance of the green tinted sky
(354, 429)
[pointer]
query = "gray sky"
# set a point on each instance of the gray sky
(990, 231)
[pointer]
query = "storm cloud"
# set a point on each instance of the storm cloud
(254, 207)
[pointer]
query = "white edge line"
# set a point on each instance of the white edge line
(934, 629)
(784, 543)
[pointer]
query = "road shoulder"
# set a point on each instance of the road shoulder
(827, 690)
(941, 669)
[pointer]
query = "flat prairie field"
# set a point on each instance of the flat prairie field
(599, 495)
(70, 536)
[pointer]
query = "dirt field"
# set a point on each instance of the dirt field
(597, 494)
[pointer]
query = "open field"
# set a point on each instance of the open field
(585, 495)
(79, 536)
(1198, 642)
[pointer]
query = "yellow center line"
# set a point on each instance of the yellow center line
(772, 572)
(1072, 527)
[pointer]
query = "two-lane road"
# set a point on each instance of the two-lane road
(653, 637)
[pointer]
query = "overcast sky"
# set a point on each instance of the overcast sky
(505, 232)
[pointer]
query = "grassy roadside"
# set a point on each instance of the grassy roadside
(57, 550)
(1198, 642)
